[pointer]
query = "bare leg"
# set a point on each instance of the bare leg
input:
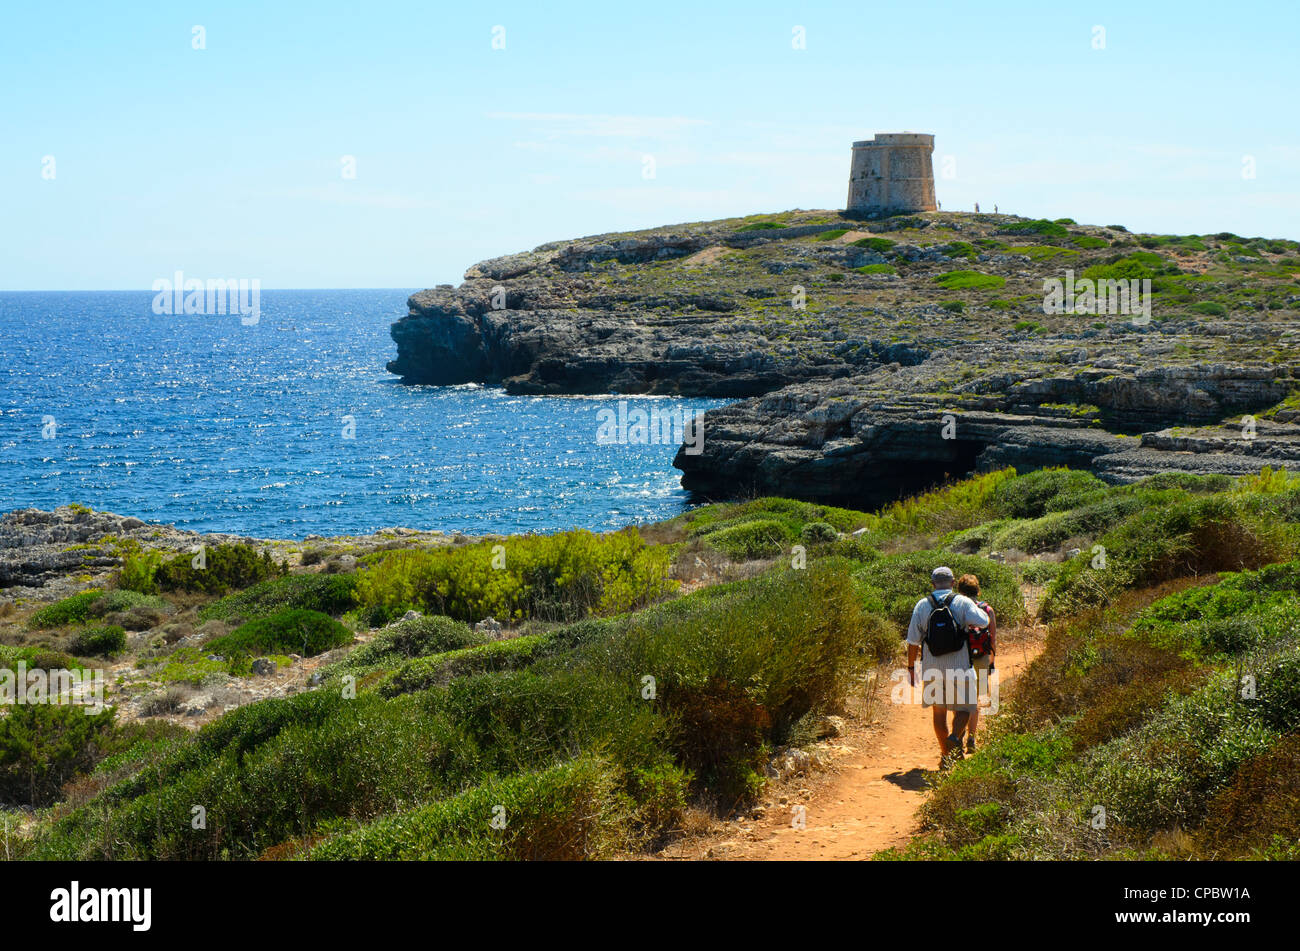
(974, 722)
(941, 728)
(959, 721)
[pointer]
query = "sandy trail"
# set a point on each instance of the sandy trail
(868, 800)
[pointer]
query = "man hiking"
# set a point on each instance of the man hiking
(983, 643)
(938, 633)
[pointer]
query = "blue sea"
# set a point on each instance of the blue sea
(292, 426)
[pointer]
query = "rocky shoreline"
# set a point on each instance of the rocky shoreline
(874, 358)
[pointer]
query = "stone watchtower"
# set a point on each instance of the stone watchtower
(892, 172)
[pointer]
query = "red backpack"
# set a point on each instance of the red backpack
(983, 639)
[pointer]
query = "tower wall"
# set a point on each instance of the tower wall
(892, 172)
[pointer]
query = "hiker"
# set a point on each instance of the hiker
(982, 642)
(938, 633)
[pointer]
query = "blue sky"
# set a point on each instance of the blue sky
(227, 161)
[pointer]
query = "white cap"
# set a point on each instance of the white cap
(942, 573)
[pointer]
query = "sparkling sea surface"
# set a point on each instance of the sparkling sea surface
(214, 425)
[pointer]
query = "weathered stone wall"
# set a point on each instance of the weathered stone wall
(891, 173)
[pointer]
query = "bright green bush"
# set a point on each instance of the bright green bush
(758, 538)
(71, 610)
(291, 631)
(880, 245)
(552, 577)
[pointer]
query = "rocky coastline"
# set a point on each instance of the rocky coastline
(873, 358)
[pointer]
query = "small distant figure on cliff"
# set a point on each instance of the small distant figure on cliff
(977, 208)
(995, 209)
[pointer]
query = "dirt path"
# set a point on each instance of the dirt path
(867, 800)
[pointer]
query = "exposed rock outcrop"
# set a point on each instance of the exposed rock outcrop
(854, 345)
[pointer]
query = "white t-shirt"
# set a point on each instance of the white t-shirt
(967, 614)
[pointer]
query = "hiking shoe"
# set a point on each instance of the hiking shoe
(970, 745)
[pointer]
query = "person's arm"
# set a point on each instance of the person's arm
(971, 615)
(993, 637)
(914, 636)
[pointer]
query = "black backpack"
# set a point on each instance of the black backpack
(943, 634)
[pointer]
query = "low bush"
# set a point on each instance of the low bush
(403, 640)
(572, 811)
(291, 631)
(330, 594)
(1261, 806)
(217, 569)
(108, 641)
(758, 538)
(969, 280)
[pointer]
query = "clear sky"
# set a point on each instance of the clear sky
(228, 161)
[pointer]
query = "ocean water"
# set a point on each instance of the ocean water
(292, 426)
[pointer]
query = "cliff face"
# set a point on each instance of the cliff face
(874, 357)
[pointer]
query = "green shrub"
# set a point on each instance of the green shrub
(441, 669)
(1190, 536)
(1038, 572)
(952, 306)
(1209, 307)
(759, 538)
(761, 226)
(1088, 242)
(818, 533)
(139, 571)
(106, 641)
(790, 640)
(403, 640)
(43, 746)
(127, 600)
(880, 245)
(1165, 771)
(831, 235)
(1260, 806)
(1042, 226)
(876, 269)
(71, 610)
(571, 811)
(293, 630)
(330, 594)
(228, 567)
(969, 280)
(1036, 493)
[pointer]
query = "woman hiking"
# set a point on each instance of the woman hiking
(983, 645)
